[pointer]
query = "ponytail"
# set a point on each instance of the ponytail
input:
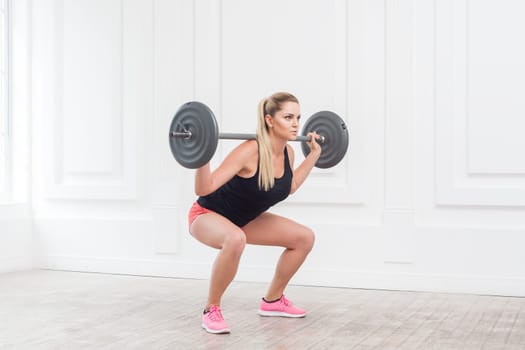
(268, 106)
(266, 179)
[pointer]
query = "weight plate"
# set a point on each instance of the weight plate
(333, 128)
(197, 150)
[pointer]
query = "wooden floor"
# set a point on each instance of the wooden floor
(67, 310)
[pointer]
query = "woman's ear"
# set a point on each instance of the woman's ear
(269, 121)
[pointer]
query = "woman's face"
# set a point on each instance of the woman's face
(285, 123)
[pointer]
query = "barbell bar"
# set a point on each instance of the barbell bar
(194, 136)
(239, 136)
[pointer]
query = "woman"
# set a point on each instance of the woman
(231, 210)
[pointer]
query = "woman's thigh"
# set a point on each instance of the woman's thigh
(274, 230)
(214, 230)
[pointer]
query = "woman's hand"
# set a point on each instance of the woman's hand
(315, 148)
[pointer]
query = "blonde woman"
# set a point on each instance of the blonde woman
(231, 210)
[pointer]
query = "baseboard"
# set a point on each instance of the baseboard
(382, 280)
(17, 263)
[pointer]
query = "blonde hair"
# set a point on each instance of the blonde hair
(268, 106)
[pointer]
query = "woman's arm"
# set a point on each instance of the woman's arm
(301, 172)
(207, 181)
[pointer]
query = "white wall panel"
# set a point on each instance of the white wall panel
(478, 88)
(236, 68)
(91, 89)
(90, 78)
(495, 79)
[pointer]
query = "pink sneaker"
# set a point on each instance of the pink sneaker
(213, 322)
(282, 307)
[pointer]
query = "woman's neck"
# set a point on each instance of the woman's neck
(278, 146)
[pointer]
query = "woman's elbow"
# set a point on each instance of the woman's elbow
(203, 190)
(200, 192)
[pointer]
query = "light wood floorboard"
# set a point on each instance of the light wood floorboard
(44, 309)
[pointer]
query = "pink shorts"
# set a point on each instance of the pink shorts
(195, 211)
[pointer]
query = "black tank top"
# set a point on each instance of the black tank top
(240, 199)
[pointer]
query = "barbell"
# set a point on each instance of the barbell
(194, 136)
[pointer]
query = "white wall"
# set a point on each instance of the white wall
(16, 239)
(430, 197)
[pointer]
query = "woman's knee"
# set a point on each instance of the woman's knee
(235, 242)
(306, 239)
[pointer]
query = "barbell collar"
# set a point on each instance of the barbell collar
(181, 134)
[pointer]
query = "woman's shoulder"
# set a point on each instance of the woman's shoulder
(247, 156)
(248, 146)
(246, 149)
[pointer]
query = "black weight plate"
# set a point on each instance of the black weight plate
(199, 120)
(333, 128)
